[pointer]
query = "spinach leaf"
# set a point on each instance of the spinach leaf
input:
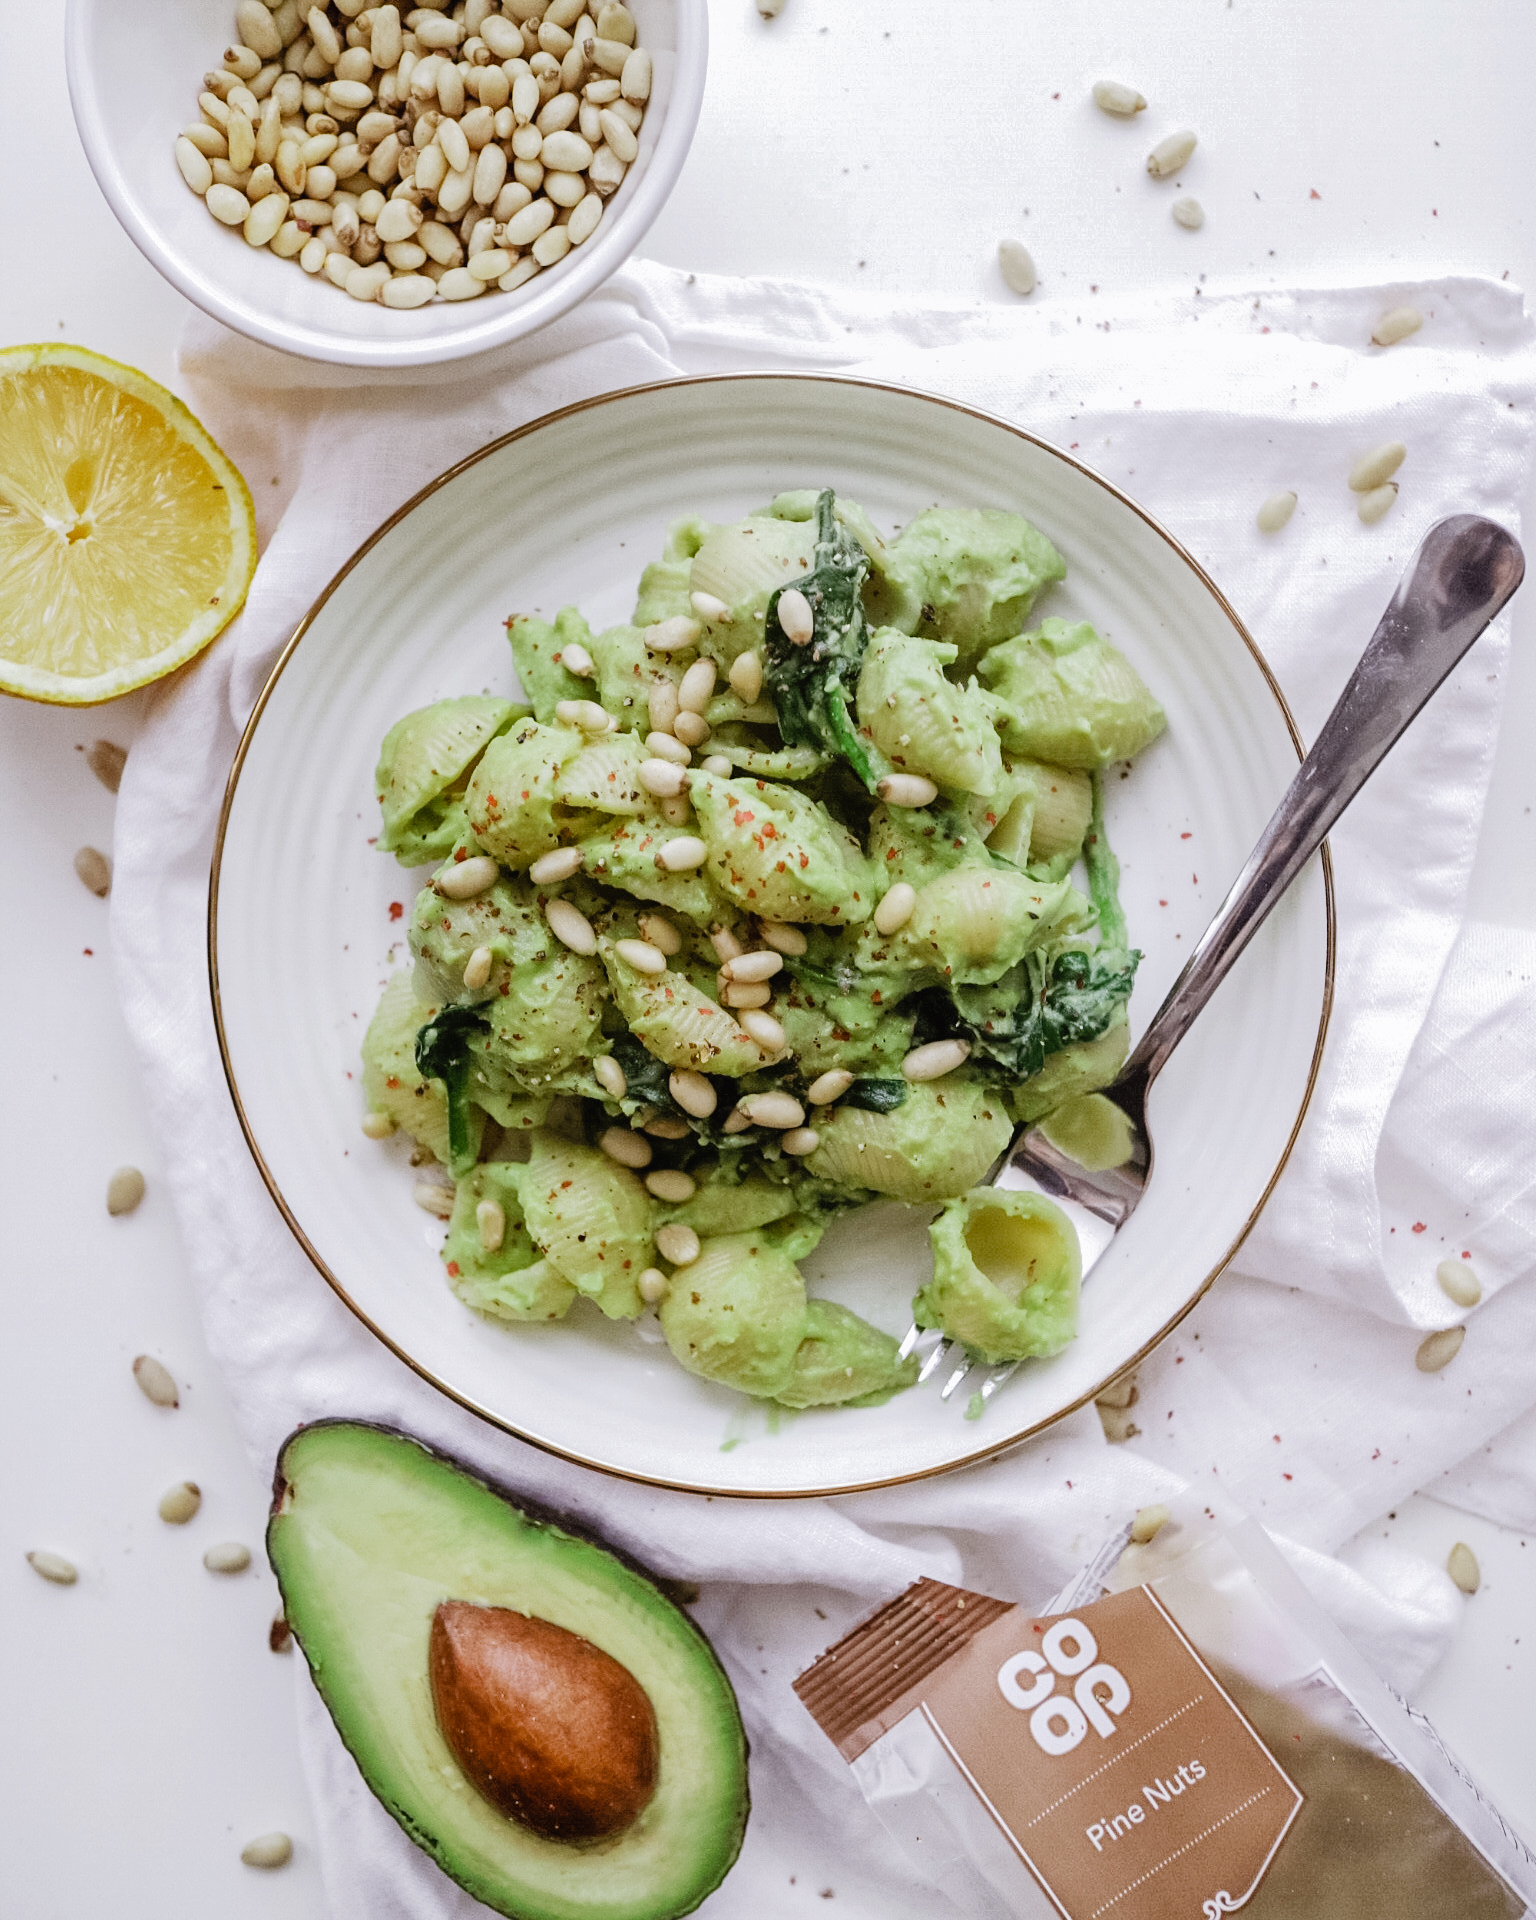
(1103, 873)
(645, 1077)
(813, 685)
(1077, 996)
(442, 1053)
(875, 1096)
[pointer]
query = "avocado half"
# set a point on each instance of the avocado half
(370, 1532)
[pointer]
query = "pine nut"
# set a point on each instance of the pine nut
(106, 760)
(551, 868)
(829, 1086)
(567, 152)
(667, 746)
(750, 969)
(610, 1076)
(378, 1125)
(431, 169)
(667, 1126)
(228, 205)
(1170, 154)
(450, 137)
(795, 617)
(779, 1111)
(1377, 504)
(746, 677)
(800, 1141)
(338, 269)
(254, 25)
(745, 996)
(490, 173)
(124, 1190)
(1275, 512)
(586, 217)
(764, 1029)
(936, 1059)
(725, 944)
(575, 659)
(180, 1503)
(606, 173)
(906, 790)
(551, 246)
(367, 283)
(602, 93)
(491, 1219)
(653, 1286)
(228, 1557)
(1461, 1565)
(570, 928)
(664, 778)
(641, 955)
(209, 141)
(683, 854)
(678, 1244)
(735, 1122)
(264, 219)
(1114, 96)
(313, 255)
(586, 714)
(1016, 264)
(718, 764)
(661, 933)
(668, 636)
(1459, 1283)
(635, 78)
(698, 686)
(661, 703)
(323, 36)
(784, 939)
(194, 166)
(441, 243)
(269, 1850)
(433, 1198)
(458, 283)
(487, 266)
(347, 225)
(1188, 213)
(629, 1149)
(525, 227)
(477, 968)
(691, 728)
(707, 607)
(155, 1381)
(407, 290)
(671, 1185)
(1148, 1524)
(53, 1566)
(398, 220)
(467, 878)
(609, 55)
(895, 908)
(1438, 1350)
(693, 1092)
(1375, 468)
(1396, 325)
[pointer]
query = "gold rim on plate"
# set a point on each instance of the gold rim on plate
(996, 1449)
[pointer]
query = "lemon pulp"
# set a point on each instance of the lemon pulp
(127, 538)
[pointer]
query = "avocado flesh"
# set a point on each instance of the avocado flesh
(370, 1531)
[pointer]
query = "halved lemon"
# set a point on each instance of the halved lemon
(127, 538)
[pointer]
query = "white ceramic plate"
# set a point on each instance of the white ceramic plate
(301, 934)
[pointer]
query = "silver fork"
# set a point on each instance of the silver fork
(1463, 572)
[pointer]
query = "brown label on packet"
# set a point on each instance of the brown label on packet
(1114, 1764)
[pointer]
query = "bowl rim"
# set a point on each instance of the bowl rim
(996, 1449)
(603, 255)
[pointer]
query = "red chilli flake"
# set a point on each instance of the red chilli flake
(1420, 1226)
(396, 909)
(453, 1269)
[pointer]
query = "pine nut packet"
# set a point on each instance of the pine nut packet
(1182, 1734)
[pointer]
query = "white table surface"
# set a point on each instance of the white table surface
(147, 1729)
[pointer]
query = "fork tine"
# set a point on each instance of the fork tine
(913, 1335)
(997, 1377)
(942, 1352)
(966, 1363)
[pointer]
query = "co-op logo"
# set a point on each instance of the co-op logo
(1058, 1721)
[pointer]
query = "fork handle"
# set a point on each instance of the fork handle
(1462, 574)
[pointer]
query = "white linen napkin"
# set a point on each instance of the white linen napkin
(1294, 1380)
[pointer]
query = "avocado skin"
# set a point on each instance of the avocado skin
(505, 1896)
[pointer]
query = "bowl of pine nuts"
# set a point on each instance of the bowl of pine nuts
(387, 185)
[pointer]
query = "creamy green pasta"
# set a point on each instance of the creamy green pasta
(765, 905)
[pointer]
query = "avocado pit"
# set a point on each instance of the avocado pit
(553, 1731)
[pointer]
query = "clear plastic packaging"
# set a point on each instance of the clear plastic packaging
(1182, 1733)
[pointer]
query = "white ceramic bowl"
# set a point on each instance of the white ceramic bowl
(303, 933)
(135, 73)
